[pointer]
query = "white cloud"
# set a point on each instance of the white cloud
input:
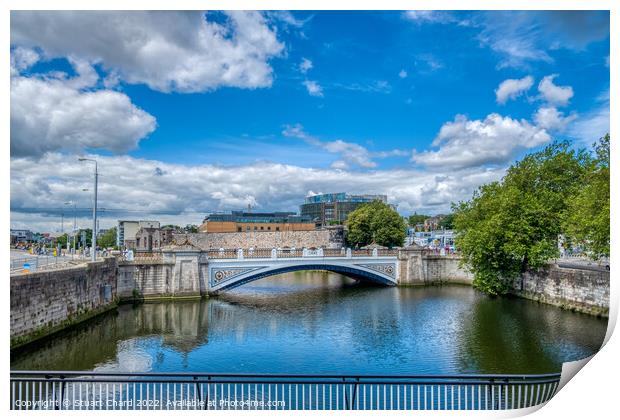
(184, 194)
(513, 88)
(429, 16)
(350, 153)
(22, 59)
(464, 143)
(305, 65)
(551, 119)
(54, 113)
(168, 51)
(313, 88)
(402, 74)
(553, 94)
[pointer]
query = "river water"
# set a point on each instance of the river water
(324, 323)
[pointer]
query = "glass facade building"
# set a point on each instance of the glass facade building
(326, 209)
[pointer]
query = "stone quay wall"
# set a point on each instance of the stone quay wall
(419, 267)
(583, 290)
(46, 301)
(323, 238)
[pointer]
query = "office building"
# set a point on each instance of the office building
(328, 209)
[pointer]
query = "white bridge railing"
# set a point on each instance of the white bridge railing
(275, 253)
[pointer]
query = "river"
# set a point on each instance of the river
(324, 323)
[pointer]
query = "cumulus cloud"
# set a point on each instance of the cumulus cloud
(185, 193)
(55, 113)
(513, 88)
(166, 50)
(402, 74)
(305, 65)
(553, 94)
(313, 88)
(22, 59)
(551, 119)
(465, 143)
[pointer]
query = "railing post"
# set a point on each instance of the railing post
(348, 252)
(274, 253)
(304, 252)
(375, 252)
(240, 254)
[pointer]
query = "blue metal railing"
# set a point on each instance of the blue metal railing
(70, 390)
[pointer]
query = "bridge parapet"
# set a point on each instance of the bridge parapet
(276, 253)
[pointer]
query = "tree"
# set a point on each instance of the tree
(191, 229)
(108, 239)
(587, 222)
(447, 222)
(416, 218)
(375, 222)
(513, 225)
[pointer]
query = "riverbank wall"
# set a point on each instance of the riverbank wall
(583, 290)
(44, 302)
(47, 301)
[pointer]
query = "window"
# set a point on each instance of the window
(268, 227)
(255, 228)
(277, 228)
(239, 229)
(262, 227)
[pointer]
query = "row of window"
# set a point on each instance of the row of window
(248, 228)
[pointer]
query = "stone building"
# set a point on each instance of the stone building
(153, 239)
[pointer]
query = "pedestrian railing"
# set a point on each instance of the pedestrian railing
(37, 390)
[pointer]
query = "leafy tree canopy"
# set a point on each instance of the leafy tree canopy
(375, 222)
(512, 225)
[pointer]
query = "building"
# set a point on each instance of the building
(239, 221)
(152, 239)
(434, 222)
(126, 231)
(21, 235)
(326, 209)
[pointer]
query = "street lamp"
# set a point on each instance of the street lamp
(94, 240)
(74, 224)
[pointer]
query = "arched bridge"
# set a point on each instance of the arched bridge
(230, 269)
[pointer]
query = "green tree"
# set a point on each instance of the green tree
(108, 239)
(587, 222)
(62, 240)
(447, 222)
(416, 218)
(512, 225)
(375, 222)
(191, 229)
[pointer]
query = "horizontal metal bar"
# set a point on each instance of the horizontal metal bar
(272, 381)
(276, 375)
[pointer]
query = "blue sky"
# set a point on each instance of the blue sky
(191, 112)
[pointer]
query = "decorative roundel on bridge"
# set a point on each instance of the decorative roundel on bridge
(219, 275)
(389, 269)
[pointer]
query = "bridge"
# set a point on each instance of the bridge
(188, 270)
(228, 269)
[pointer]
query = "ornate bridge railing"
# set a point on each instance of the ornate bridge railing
(297, 253)
(37, 390)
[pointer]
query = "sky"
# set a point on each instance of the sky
(189, 113)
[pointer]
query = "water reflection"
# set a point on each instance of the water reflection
(315, 322)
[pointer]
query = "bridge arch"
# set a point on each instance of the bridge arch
(227, 278)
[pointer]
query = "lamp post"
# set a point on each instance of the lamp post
(94, 240)
(74, 231)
